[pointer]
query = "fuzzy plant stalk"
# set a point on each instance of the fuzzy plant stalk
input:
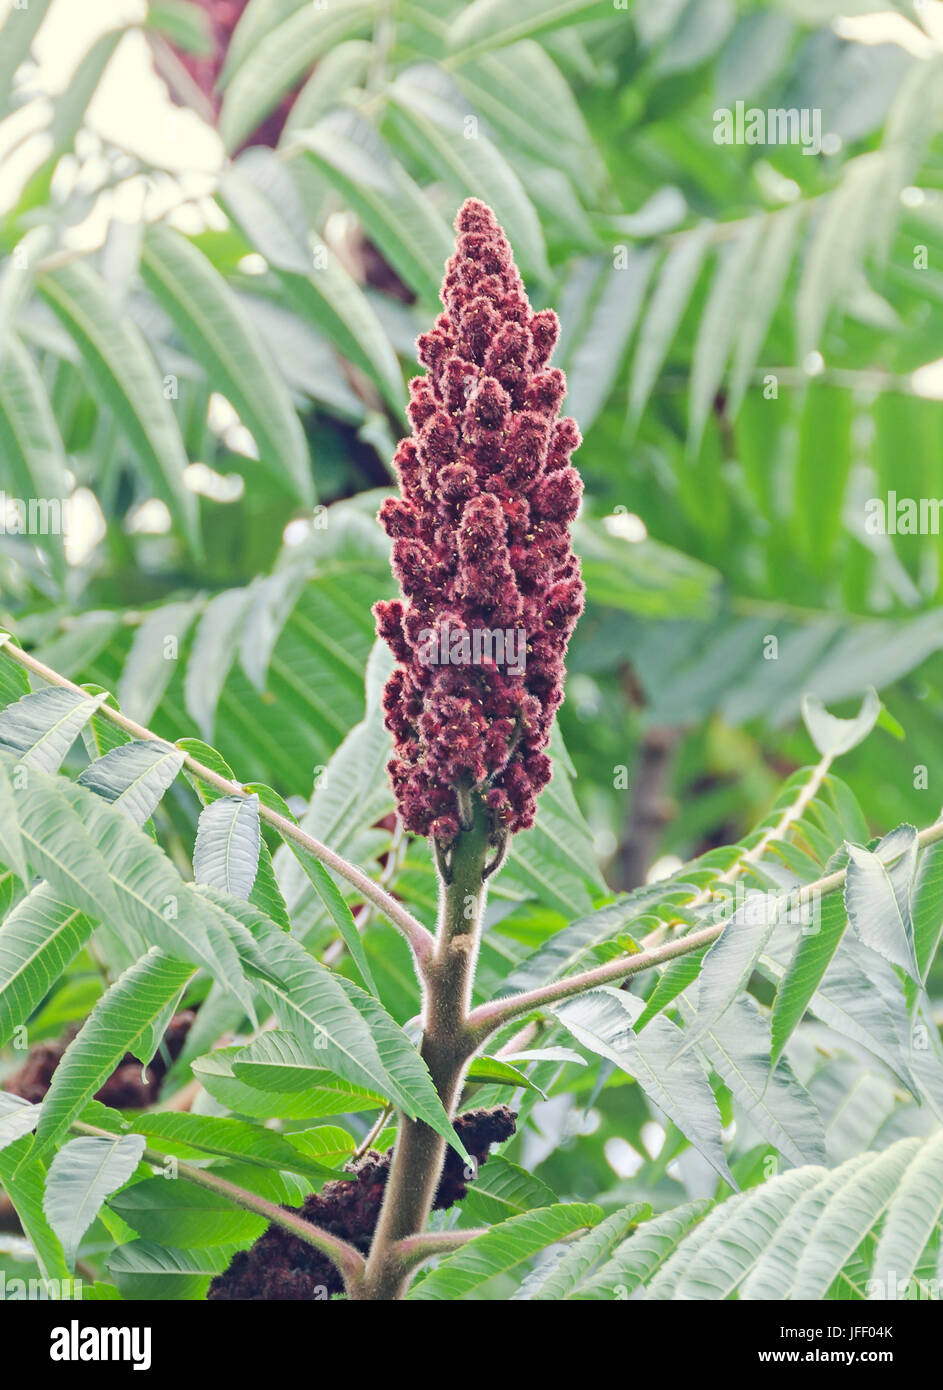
(490, 594)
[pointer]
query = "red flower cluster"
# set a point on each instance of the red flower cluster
(481, 545)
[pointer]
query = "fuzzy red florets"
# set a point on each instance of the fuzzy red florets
(481, 545)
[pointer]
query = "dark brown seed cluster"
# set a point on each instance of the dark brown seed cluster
(128, 1088)
(279, 1266)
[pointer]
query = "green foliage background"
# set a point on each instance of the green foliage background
(741, 326)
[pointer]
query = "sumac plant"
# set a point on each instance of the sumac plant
(247, 1113)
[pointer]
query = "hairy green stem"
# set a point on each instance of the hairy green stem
(447, 1047)
(414, 1250)
(419, 937)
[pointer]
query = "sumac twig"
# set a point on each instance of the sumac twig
(489, 1018)
(348, 1261)
(419, 937)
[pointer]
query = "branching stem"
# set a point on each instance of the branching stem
(419, 937)
(415, 1250)
(788, 818)
(447, 1048)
